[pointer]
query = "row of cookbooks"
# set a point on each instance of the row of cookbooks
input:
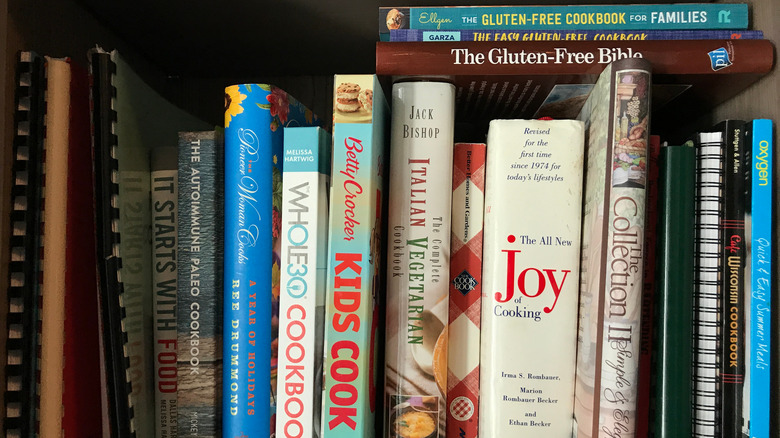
(205, 298)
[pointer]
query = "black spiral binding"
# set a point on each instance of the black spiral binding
(24, 244)
(104, 147)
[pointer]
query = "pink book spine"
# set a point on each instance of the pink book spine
(465, 306)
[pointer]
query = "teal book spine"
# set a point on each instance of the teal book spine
(761, 180)
(199, 316)
(353, 294)
(255, 115)
(573, 17)
(672, 358)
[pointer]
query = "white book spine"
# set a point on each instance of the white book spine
(165, 232)
(302, 291)
(533, 210)
(419, 212)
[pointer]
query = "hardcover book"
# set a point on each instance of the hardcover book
(23, 288)
(355, 247)
(533, 211)
(164, 256)
(397, 35)
(707, 292)
(532, 79)
(304, 237)
(199, 320)
(54, 234)
(761, 180)
(617, 116)
(673, 303)
(465, 306)
(255, 118)
(418, 262)
(579, 17)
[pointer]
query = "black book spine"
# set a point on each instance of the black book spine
(104, 150)
(24, 245)
(732, 225)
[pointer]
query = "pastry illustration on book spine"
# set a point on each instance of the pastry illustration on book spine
(533, 200)
(419, 226)
(354, 255)
(617, 119)
(255, 115)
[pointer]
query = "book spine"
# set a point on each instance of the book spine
(304, 268)
(254, 120)
(118, 403)
(24, 245)
(199, 295)
(732, 371)
(397, 35)
(673, 322)
(577, 17)
(354, 256)
(164, 258)
(612, 250)
(465, 301)
(648, 288)
(54, 234)
(420, 208)
(709, 201)
(533, 210)
(762, 179)
(477, 58)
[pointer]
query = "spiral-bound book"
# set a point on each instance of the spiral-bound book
(24, 247)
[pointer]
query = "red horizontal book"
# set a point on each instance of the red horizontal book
(531, 79)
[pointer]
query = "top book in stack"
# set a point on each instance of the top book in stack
(575, 17)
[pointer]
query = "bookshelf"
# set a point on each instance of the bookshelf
(189, 50)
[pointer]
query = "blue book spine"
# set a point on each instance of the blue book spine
(577, 17)
(414, 35)
(760, 277)
(255, 115)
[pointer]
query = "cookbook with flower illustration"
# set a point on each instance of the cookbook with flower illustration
(616, 115)
(255, 118)
(419, 212)
(355, 243)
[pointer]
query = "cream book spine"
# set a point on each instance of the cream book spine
(531, 256)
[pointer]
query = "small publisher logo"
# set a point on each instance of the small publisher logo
(719, 59)
(461, 408)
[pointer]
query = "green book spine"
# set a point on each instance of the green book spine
(673, 353)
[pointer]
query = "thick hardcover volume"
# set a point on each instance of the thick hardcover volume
(533, 212)
(532, 79)
(255, 115)
(648, 289)
(117, 404)
(304, 268)
(617, 115)
(199, 319)
(579, 17)
(164, 255)
(24, 247)
(673, 304)
(419, 212)
(709, 201)
(54, 233)
(465, 306)
(353, 305)
(397, 35)
(733, 253)
(81, 396)
(761, 180)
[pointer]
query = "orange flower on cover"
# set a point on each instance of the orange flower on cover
(280, 104)
(233, 99)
